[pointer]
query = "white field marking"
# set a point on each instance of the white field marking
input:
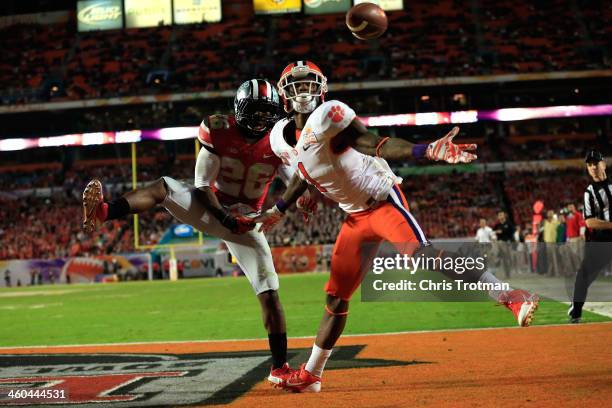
(569, 326)
(602, 308)
(36, 306)
(36, 293)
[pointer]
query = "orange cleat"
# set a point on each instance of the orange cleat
(92, 206)
(522, 304)
(302, 381)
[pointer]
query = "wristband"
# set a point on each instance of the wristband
(282, 205)
(229, 221)
(418, 151)
(380, 145)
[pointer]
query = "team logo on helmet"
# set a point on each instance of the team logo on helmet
(302, 86)
(257, 106)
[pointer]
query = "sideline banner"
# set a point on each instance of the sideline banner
(297, 259)
(75, 270)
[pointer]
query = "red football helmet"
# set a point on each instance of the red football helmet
(302, 86)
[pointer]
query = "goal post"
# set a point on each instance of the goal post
(136, 224)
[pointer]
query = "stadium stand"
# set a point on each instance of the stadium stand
(446, 39)
(29, 227)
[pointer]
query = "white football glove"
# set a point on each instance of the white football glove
(269, 218)
(445, 149)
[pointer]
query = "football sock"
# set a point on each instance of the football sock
(278, 347)
(118, 208)
(488, 277)
(317, 360)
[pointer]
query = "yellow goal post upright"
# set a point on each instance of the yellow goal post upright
(171, 248)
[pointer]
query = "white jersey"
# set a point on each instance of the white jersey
(352, 179)
(485, 235)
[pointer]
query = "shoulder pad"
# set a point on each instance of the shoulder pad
(204, 134)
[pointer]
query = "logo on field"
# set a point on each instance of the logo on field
(131, 380)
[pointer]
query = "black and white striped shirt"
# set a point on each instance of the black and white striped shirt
(597, 202)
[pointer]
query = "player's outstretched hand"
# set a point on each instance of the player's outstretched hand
(307, 205)
(445, 149)
(269, 218)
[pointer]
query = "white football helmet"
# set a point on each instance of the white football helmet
(302, 87)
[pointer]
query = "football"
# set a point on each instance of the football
(366, 21)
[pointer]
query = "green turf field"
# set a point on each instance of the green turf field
(225, 308)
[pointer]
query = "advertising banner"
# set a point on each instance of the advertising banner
(326, 6)
(197, 11)
(99, 15)
(102, 268)
(147, 13)
(297, 259)
(387, 5)
(277, 6)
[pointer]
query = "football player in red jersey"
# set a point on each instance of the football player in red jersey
(233, 172)
(337, 154)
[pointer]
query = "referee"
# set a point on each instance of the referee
(598, 218)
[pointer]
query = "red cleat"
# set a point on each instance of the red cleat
(94, 211)
(278, 375)
(522, 304)
(302, 381)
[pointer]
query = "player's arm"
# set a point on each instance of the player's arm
(269, 218)
(207, 168)
(392, 149)
(596, 223)
(307, 203)
(285, 173)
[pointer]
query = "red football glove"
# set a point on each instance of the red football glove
(243, 225)
(445, 149)
(307, 206)
(238, 224)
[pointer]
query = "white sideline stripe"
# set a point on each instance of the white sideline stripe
(308, 337)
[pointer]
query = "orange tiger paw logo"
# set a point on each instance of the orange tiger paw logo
(336, 113)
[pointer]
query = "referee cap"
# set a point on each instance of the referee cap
(593, 156)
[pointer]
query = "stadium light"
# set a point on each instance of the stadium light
(407, 119)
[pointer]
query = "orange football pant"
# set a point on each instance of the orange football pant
(359, 239)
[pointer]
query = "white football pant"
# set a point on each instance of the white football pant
(251, 249)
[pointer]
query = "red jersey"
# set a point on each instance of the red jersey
(246, 170)
(574, 222)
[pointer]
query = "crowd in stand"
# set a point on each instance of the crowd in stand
(424, 40)
(446, 205)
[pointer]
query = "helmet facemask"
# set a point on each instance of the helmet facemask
(257, 116)
(255, 112)
(303, 89)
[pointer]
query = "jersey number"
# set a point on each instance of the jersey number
(236, 180)
(310, 179)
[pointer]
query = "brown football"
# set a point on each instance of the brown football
(366, 21)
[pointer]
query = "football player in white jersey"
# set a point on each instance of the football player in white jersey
(337, 154)
(233, 172)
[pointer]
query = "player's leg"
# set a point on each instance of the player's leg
(397, 225)
(252, 253)
(596, 257)
(349, 263)
(96, 210)
(254, 257)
